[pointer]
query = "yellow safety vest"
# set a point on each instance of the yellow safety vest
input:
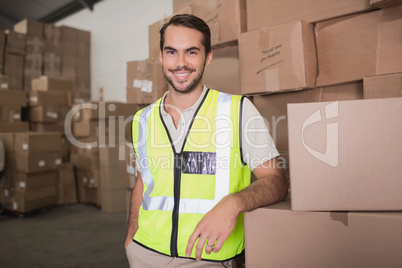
(181, 187)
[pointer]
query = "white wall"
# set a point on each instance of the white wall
(119, 33)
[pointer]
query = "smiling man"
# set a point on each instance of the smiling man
(188, 212)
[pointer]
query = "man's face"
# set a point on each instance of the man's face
(183, 58)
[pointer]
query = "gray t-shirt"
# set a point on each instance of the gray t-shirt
(257, 144)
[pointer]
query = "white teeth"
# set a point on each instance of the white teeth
(181, 75)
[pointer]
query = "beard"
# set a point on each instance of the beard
(193, 83)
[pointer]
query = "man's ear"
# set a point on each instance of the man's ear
(209, 58)
(160, 56)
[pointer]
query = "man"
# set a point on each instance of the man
(194, 162)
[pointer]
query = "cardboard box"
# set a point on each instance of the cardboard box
(109, 156)
(98, 110)
(3, 78)
(31, 200)
(48, 127)
(52, 63)
(34, 181)
(277, 59)
(383, 86)
(265, 13)
(29, 27)
(224, 72)
(28, 162)
(14, 69)
(180, 4)
(332, 157)
(389, 46)
(277, 236)
(89, 178)
(109, 178)
(48, 98)
(52, 37)
(45, 114)
(15, 42)
(8, 141)
(14, 126)
(225, 18)
(128, 171)
(66, 190)
(10, 113)
(145, 81)
(385, 3)
(273, 107)
(14, 98)
(59, 84)
(153, 32)
(113, 200)
(1, 60)
(84, 161)
(37, 142)
(348, 48)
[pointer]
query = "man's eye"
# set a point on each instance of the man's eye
(192, 52)
(170, 52)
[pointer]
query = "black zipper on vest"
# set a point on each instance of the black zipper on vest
(177, 180)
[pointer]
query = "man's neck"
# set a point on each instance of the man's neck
(182, 101)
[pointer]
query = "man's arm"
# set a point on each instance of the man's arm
(216, 226)
(135, 203)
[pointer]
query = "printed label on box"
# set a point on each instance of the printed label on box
(42, 163)
(146, 86)
(58, 161)
(25, 146)
(4, 85)
(33, 99)
(22, 184)
(137, 83)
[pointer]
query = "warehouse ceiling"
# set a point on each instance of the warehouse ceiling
(50, 11)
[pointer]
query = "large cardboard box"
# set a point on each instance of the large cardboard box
(223, 73)
(17, 98)
(385, 3)
(14, 69)
(345, 155)
(34, 181)
(66, 190)
(265, 13)
(14, 126)
(109, 178)
(348, 49)
(59, 84)
(89, 178)
(29, 27)
(37, 142)
(277, 59)
(113, 200)
(8, 140)
(383, 86)
(154, 28)
(109, 156)
(180, 4)
(10, 113)
(15, 42)
(45, 114)
(52, 36)
(89, 160)
(28, 162)
(49, 98)
(145, 81)
(276, 236)
(225, 18)
(30, 200)
(273, 107)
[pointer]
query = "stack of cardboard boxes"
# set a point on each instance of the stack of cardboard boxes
(31, 177)
(100, 133)
(52, 50)
(311, 68)
(33, 59)
(11, 104)
(75, 59)
(14, 52)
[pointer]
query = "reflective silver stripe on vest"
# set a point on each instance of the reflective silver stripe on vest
(222, 175)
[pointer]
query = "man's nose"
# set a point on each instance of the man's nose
(181, 60)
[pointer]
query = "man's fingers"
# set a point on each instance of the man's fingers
(191, 242)
(218, 245)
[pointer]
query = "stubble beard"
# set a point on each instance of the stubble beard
(191, 86)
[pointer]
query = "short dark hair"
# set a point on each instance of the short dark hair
(189, 21)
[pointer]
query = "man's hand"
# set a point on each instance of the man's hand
(214, 228)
